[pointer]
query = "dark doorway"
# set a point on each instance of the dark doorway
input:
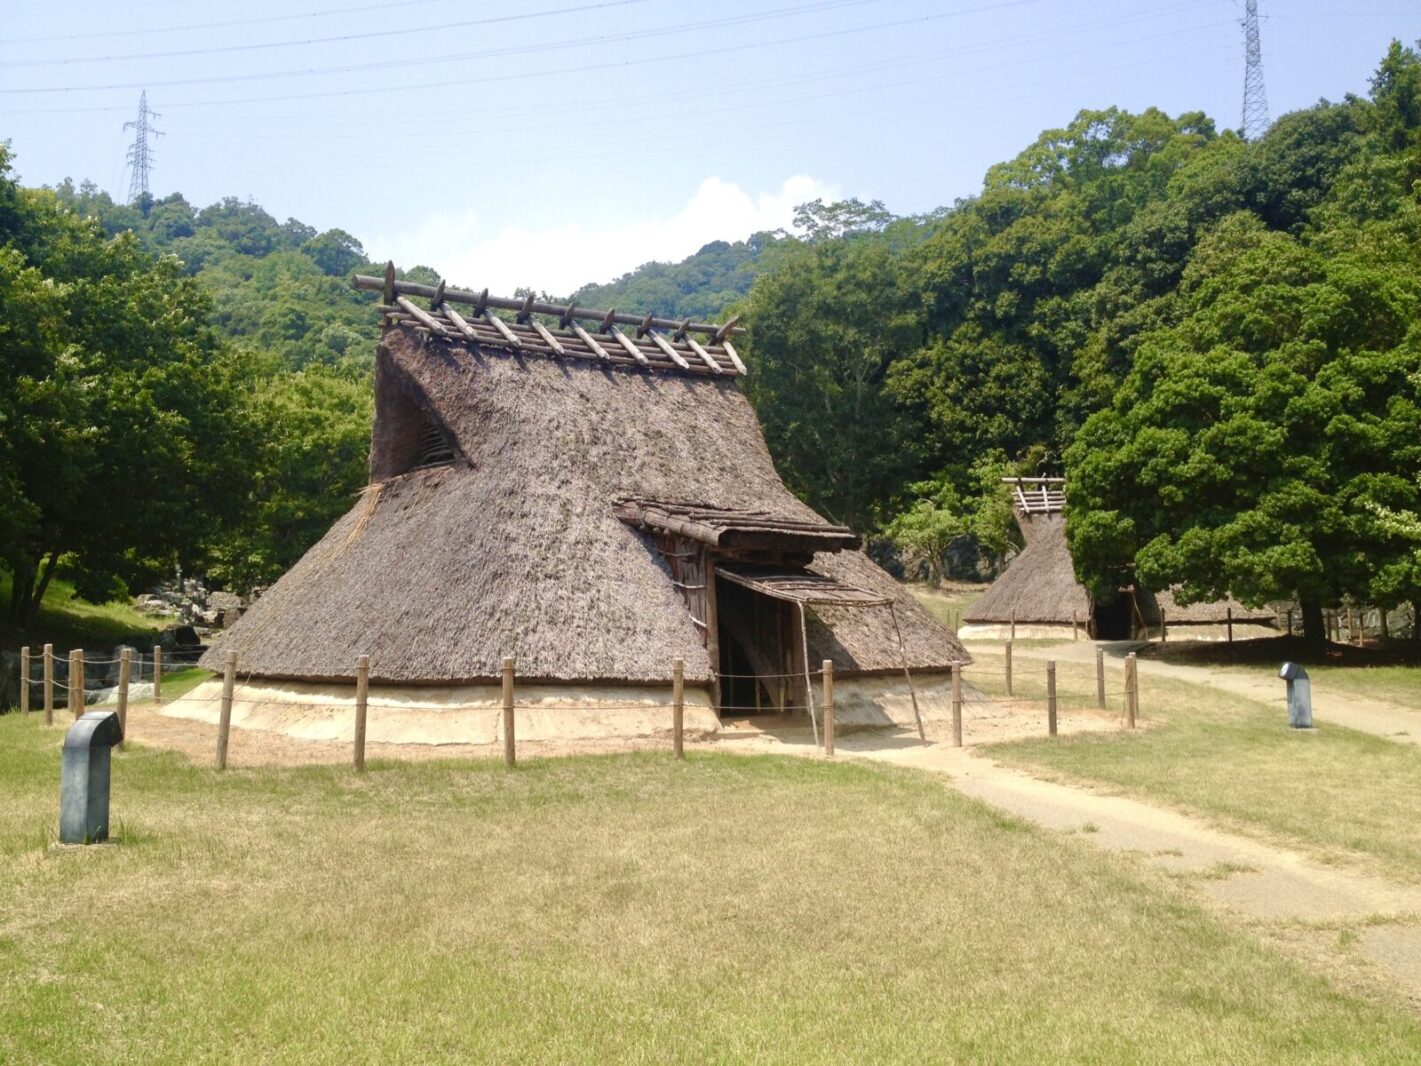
(1115, 620)
(759, 652)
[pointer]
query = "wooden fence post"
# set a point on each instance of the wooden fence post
(49, 684)
(1163, 627)
(678, 707)
(956, 704)
(157, 673)
(1132, 689)
(828, 667)
(25, 679)
(125, 669)
(509, 742)
(76, 682)
(1382, 623)
(1229, 617)
(1051, 697)
(1009, 668)
(362, 696)
(1100, 677)
(1290, 621)
(1075, 625)
(1013, 624)
(224, 718)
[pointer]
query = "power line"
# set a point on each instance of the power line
(600, 66)
(228, 23)
(402, 32)
(140, 156)
(1255, 99)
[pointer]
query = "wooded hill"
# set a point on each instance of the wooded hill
(1215, 340)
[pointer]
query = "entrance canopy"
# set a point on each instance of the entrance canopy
(801, 587)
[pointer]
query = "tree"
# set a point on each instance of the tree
(119, 406)
(1254, 447)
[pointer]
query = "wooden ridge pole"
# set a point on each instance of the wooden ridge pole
(956, 704)
(224, 718)
(510, 757)
(1100, 677)
(49, 684)
(362, 695)
(828, 667)
(125, 671)
(1132, 690)
(1051, 697)
(678, 707)
(25, 679)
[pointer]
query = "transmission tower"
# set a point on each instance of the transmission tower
(1255, 99)
(140, 156)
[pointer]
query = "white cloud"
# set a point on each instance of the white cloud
(563, 257)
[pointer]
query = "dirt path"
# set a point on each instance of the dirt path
(1377, 717)
(1274, 886)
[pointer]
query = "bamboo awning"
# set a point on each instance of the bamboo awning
(803, 587)
(726, 527)
(556, 332)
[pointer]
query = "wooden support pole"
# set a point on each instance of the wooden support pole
(1051, 697)
(49, 684)
(678, 707)
(125, 673)
(510, 757)
(362, 698)
(1132, 690)
(902, 651)
(1075, 625)
(25, 679)
(1229, 617)
(76, 682)
(1290, 621)
(828, 667)
(1100, 678)
(224, 718)
(956, 704)
(157, 673)
(1382, 623)
(1013, 626)
(1008, 650)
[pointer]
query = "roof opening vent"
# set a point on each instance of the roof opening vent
(434, 447)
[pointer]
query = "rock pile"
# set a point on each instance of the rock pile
(190, 602)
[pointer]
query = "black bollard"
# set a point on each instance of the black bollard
(84, 778)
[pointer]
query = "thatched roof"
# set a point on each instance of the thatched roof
(515, 547)
(1214, 612)
(1039, 585)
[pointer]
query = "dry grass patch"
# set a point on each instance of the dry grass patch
(613, 908)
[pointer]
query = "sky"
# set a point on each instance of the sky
(551, 143)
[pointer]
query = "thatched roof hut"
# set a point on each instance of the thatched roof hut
(1039, 592)
(593, 501)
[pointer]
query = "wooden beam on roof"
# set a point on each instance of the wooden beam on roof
(525, 313)
(438, 297)
(632, 350)
(591, 342)
(725, 330)
(505, 303)
(459, 323)
(389, 284)
(421, 316)
(682, 330)
(665, 345)
(734, 357)
(502, 327)
(706, 356)
(644, 327)
(481, 304)
(565, 317)
(608, 321)
(547, 337)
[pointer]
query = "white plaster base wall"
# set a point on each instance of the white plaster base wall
(885, 701)
(1024, 631)
(466, 714)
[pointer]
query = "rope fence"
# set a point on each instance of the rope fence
(1052, 697)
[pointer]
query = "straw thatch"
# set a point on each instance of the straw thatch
(1213, 612)
(515, 548)
(1039, 586)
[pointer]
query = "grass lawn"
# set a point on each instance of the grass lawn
(727, 908)
(1339, 793)
(949, 601)
(67, 622)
